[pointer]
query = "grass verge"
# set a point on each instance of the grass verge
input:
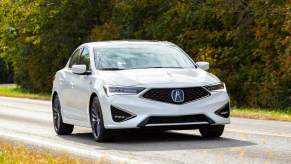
(17, 154)
(15, 91)
(265, 114)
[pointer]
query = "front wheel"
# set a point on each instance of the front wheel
(99, 132)
(60, 127)
(212, 131)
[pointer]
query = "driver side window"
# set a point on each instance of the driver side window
(75, 58)
(85, 58)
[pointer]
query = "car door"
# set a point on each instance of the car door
(69, 95)
(83, 86)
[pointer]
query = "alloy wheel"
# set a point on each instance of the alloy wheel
(56, 114)
(95, 120)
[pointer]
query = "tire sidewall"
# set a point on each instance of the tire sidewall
(56, 100)
(62, 128)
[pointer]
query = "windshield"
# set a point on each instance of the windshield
(140, 57)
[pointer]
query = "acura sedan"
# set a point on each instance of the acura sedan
(137, 85)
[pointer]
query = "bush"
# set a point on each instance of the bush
(39, 37)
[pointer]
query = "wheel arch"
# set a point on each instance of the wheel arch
(55, 93)
(93, 95)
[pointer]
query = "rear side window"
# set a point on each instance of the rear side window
(75, 58)
(85, 58)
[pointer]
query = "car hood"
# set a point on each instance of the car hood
(135, 77)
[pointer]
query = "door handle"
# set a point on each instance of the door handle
(72, 84)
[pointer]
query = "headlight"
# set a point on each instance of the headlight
(215, 87)
(114, 90)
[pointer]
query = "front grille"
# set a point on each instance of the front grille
(164, 94)
(175, 119)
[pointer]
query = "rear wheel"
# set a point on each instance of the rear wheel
(213, 131)
(60, 127)
(99, 132)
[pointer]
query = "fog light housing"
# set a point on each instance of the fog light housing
(224, 111)
(120, 115)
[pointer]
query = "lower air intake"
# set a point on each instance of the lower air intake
(176, 120)
(224, 111)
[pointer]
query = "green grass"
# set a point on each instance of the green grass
(15, 91)
(19, 154)
(266, 114)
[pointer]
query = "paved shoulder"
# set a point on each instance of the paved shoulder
(245, 140)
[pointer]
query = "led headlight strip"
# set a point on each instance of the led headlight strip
(113, 90)
(215, 87)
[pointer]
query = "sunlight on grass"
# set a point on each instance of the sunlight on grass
(17, 154)
(267, 114)
(15, 91)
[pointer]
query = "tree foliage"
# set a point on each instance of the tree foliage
(6, 72)
(247, 42)
(39, 36)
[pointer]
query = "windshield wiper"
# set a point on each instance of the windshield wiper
(111, 69)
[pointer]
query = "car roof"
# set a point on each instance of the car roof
(126, 42)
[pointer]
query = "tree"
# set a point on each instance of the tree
(246, 42)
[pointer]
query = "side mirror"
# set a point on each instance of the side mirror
(203, 65)
(79, 69)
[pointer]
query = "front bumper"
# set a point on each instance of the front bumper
(143, 109)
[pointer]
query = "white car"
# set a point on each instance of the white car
(137, 85)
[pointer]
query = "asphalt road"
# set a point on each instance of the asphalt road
(244, 141)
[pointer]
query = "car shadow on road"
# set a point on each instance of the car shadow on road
(157, 141)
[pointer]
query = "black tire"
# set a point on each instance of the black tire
(213, 131)
(99, 132)
(60, 127)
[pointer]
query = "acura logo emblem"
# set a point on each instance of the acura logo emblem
(177, 95)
